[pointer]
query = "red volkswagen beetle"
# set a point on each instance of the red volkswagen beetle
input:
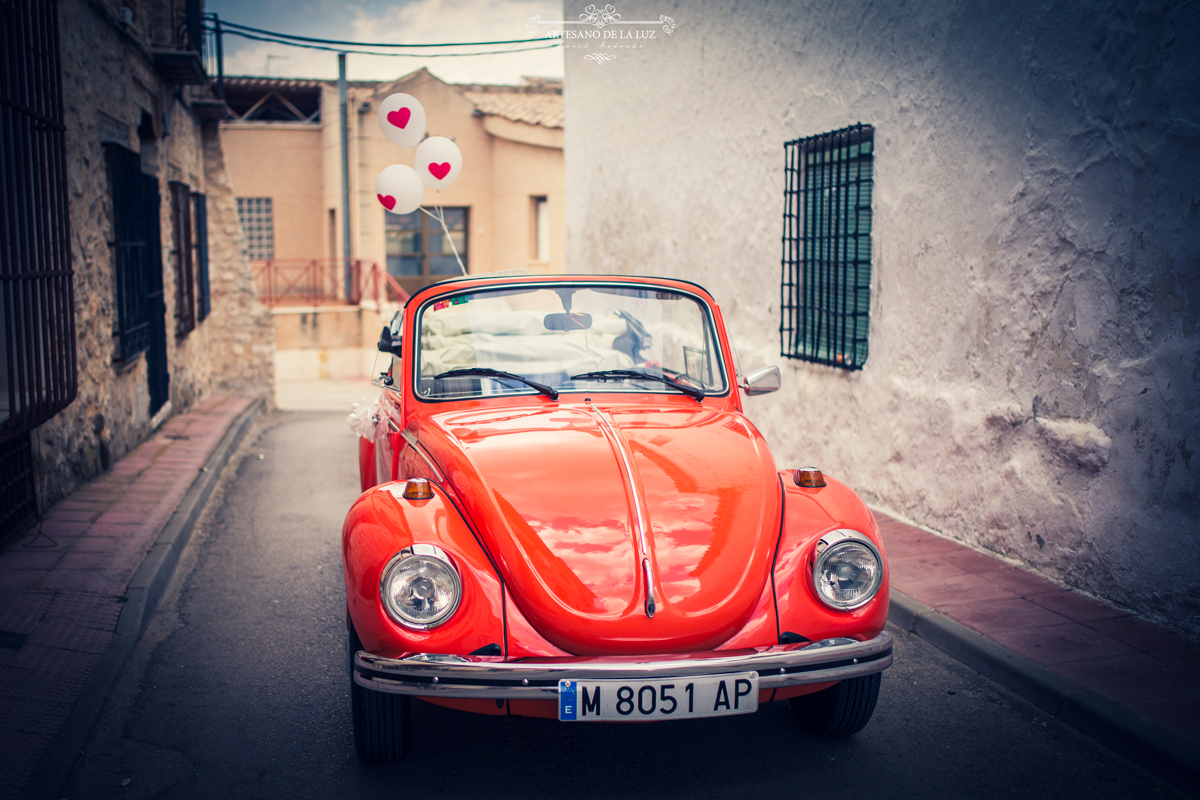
(565, 514)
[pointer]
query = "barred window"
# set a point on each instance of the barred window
(200, 243)
(137, 256)
(182, 253)
(258, 222)
(826, 286)
(37, 305)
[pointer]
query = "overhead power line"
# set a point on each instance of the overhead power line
(225, 24)
(385, 55)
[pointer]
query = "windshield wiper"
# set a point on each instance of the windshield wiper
(694, 392)
(487, 372)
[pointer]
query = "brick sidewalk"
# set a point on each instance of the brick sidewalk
(1138, 666)
(62, 588)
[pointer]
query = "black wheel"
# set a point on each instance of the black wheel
(839, 710)
(382, 722)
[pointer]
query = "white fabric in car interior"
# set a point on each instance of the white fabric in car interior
(518, 341)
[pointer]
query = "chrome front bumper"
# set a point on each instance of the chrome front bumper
(433, 675)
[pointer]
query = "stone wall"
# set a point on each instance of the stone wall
(111, 91)
(1032, 385)
(242, 333)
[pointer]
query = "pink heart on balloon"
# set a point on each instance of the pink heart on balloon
(388, 201)
(399, 118)
(440, 171)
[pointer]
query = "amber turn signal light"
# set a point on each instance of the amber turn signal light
(419, 489)
(808, 477)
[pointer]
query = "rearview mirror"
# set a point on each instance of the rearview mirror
(567, 322)
(762, 381)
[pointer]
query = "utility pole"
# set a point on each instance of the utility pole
(348, 280)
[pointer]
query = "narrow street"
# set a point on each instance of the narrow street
(239, 689)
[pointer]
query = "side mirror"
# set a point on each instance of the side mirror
(762, 381)
(387, 344)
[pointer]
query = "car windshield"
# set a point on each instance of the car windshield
(567, 338)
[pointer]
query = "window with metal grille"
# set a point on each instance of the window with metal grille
(134, 247)
(258, 223)
(826, 287)
(37, 306)
(137, 261)
(185, 285)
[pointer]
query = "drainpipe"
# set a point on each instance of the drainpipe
(348, 279)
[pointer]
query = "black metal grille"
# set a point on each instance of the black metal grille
(134, 203)
(214, 53)
(37, 306)
(185, 287)
(826, 287)
(194, 19)
(137, 260)
(158, 376)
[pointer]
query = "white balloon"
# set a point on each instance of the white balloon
(399, 190)
(437, 162)
(402, 119)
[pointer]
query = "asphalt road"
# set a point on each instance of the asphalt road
(239, 689)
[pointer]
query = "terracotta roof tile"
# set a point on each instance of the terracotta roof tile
(520, 104)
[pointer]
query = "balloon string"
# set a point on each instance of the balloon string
(441, 217)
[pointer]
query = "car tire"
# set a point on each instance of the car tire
(840, 710)
(382, 722)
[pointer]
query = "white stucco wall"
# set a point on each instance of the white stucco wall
(1032, 380)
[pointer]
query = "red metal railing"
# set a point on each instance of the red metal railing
(322, 281)
(380, 286)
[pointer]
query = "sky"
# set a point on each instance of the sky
(399, 21)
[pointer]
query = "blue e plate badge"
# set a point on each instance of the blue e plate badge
(566, 700)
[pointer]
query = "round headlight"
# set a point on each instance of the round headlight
(847, 571)
(420, 587)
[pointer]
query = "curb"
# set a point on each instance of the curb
(145, 591)
(1112, 726)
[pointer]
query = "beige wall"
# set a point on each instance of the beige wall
(331, 174)
(281, 161)
(522, 172)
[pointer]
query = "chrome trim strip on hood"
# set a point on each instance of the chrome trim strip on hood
(642, 519)
(438, 675)
(639, 509)
(650, 605)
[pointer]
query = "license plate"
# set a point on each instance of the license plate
(669, 698)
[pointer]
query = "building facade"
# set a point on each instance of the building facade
(505, 211)
(983, 298)
(126, 293)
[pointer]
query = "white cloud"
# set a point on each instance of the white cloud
(416, 22)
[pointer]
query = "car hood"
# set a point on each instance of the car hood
(565, 496)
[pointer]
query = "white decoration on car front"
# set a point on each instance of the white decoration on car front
(363, 418)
